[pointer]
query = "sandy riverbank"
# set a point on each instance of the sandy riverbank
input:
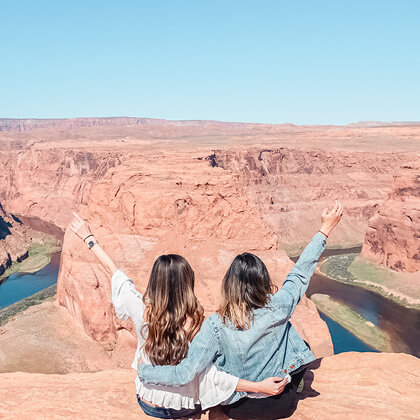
(38, 258)
(353, 322)
(402, 288)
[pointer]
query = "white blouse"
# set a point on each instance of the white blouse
(210, 388)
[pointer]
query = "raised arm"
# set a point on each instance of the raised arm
(297, 281)
(82, 230)
(127, 300)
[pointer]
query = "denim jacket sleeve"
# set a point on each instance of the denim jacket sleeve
(297, 281)
(201, 353)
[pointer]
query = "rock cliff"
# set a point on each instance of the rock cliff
(150, 187)
(356, 386)
(206, 190)
(15, 240)
(290, 187)
(393, 235)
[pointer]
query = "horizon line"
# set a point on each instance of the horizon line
(360, 122)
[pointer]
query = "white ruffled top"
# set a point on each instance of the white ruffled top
(211, 387)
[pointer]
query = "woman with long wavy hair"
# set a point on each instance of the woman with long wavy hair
(251, 335)
(166, 320)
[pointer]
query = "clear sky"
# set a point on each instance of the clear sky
(305, 62)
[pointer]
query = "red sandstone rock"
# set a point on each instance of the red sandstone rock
(45, 339)
(356, 386)
(15, 240)
(147, 188)
(393, 235)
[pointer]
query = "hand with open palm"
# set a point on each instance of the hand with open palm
(331, 217)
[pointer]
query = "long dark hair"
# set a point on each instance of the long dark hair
(246, 286)
(173, 314)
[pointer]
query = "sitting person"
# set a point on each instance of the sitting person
(166, 319)
(251, 336)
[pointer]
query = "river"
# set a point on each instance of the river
(21, 285)
(401, 323)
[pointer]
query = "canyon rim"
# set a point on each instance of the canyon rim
(206, 190)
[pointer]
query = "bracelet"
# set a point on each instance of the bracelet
(84, 240)
(320, 231)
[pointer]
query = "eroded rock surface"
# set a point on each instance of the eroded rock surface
(393, 235)
(45, 339)
(150, 187)
(15, 240)
(346, 386)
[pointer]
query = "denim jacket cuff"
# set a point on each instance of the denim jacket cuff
(320, 238)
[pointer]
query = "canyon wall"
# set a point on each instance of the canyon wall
(140, 206)
(393, 235)
(14, 240)
(159, 188)
(290, 187)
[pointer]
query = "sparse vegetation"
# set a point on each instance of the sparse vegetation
(46, 294)
(353, 322)
(352, 269)
(38, 257)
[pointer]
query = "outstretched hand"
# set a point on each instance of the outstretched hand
(331, 217)
(272, 386)
(79, 227)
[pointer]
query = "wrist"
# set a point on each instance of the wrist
(88, 238)
(257, 386)
(325, 230)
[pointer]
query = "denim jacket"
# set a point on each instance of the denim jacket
(270, 347)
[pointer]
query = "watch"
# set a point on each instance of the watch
(91, 243)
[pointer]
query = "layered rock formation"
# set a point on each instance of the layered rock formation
(153, 187)
(393, 235)
(149, 187)
(290, 187)
(15, 240)
(185, 207)
(347, 386)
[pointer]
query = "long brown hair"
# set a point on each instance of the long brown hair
(173, 314)
(246, 286)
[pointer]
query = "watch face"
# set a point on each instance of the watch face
(90, 244)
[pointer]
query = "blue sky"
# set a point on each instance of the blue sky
(305, 62)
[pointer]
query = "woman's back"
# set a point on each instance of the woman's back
(208, 388)
(269, 346)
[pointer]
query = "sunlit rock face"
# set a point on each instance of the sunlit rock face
(345, 386)
(15, 240)
(205, 190)
(290, 187)
(393, 235)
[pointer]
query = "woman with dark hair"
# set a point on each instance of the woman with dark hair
(251, 336)
(166, 319)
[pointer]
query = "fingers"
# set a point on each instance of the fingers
(340, 209)
(77, 217)
(75, 227)
(337, 209)
(280, 389)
